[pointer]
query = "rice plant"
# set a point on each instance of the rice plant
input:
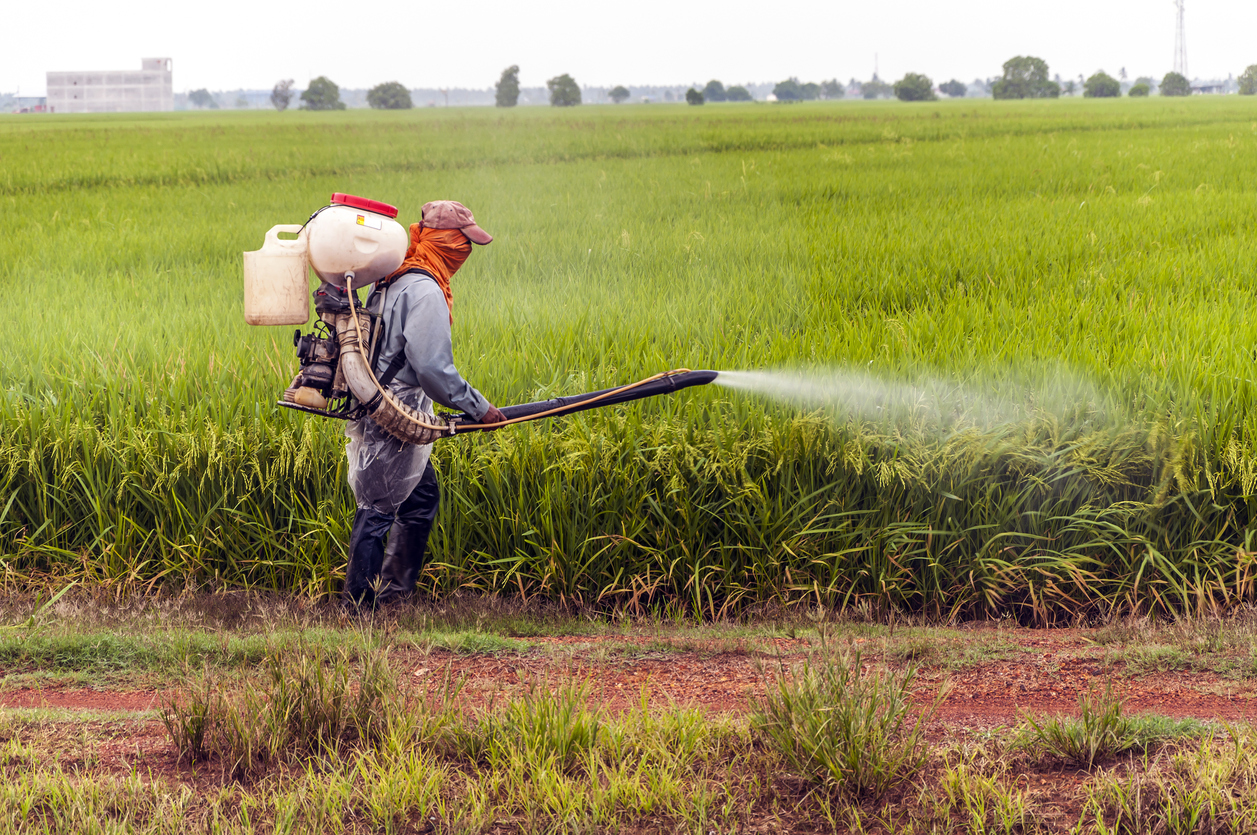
(1076, 276)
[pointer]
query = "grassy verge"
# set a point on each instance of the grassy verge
(1224, 646)
(320, 738)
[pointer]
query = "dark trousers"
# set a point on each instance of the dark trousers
(377, 574)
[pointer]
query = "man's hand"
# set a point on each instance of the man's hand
(494, 415)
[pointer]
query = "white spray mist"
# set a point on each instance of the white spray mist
(925, 404)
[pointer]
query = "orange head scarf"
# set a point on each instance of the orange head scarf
(438, 252)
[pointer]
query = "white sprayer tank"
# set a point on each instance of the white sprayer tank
(353, 234)
(356, 235)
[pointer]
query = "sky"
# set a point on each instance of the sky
(233, 44)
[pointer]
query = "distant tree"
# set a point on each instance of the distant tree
(915, 87)
(954, 89)
(1139, 90)
(1025, 77)
(241, 102)
(832, 89)
(875, 89)
(788, 90)
(1122, 73)
(390, 95)
(507, 94)
(322, 94)
(715, 91)
(1102, 86)
(1248, 81)
(619, 94)
(810, 91)
(738, 93)
(1175, 84)
(564, 91)
(692, 96)
(281, 94)
(1070, 87)
(202, 98)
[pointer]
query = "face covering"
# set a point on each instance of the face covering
(438, 252)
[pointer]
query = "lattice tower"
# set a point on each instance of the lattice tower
(1180, 43)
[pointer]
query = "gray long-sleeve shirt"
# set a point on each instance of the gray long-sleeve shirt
(417, 321)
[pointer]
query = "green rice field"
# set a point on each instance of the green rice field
(1087, 265)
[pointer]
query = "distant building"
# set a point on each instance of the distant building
(1211, 87)
(123, 91)
(30, 104)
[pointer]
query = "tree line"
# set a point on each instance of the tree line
(324, 94)
(1024, 77)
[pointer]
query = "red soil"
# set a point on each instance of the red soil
(1054, 667)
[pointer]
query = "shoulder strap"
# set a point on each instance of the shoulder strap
(377, 331)
(398, 363)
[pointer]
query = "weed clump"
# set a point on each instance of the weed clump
(976, 793)
(1102, 731)
(1211, 789)
(308, 701)
(854, 733)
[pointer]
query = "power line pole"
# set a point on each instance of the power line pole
(1180, 43)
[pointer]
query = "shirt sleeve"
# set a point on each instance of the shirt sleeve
(430, 353)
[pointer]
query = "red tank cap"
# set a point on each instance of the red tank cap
(376, 206)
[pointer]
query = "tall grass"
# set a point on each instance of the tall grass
(309, 704)
(1102, 730)
(996, 246)
(854, 735)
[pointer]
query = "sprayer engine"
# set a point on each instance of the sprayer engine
(352, 243)
(318, 352)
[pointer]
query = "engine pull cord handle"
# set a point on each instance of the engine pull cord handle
(459, 427)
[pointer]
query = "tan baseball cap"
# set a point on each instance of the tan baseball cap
(449, 214)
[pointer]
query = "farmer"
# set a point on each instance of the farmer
(394, 483)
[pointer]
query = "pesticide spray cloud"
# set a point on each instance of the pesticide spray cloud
(926, 405)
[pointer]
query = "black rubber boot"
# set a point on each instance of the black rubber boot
(407, 547)
(366, 553)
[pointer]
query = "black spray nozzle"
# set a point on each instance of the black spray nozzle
(581, 402)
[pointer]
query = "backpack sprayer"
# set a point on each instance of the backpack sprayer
(352, 243)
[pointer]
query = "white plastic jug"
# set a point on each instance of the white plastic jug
(276, 280)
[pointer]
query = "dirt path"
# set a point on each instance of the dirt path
(81, 699)
(1044, 672)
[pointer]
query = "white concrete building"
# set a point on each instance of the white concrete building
(124, 91)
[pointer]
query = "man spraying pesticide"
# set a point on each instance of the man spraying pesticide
(382, 366)
(393, 481)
